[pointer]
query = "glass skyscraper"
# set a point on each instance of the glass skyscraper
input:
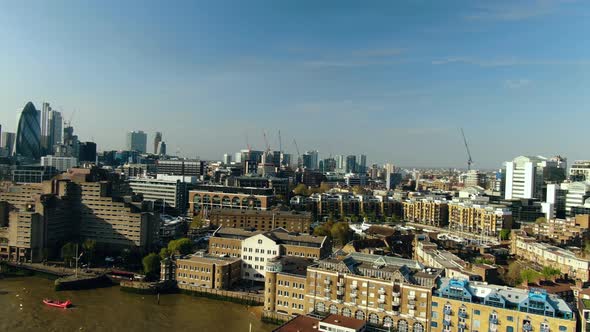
(28, 135)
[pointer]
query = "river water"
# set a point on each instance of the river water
(110, 309)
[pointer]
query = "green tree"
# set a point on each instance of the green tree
(549, 272)
(529, 275)
(197, 222)
(151, 266)
(324, 187)
(89, 247)
(323, 229)
(301, 189)
(481, 260)
(541, 220)
(68, 253)
(513, 277)
(182, 246)
(505, 234)
(165, 253)
(341, 233)
(587, 248)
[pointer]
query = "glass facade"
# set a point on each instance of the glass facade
(28, 135)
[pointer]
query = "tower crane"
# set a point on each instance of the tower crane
(298, 154)
(469, 160)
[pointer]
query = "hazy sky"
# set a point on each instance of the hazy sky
(392, 79)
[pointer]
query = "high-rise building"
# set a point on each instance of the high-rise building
(28, 134)
(62, 164)
(157, 140)
(475, 178)
(363, 164)
(350, 164)
(310, 160)
(162, 148)
(87, 152)
(8, 142)
(136, 141)
(226, 159)
(526, 175)
(51, 128)
(340, 163)
(580, 170)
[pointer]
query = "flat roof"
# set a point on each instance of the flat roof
(343, 321)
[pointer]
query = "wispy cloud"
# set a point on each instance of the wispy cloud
(379, 52)
(363, 57)
(515, 10)
(517, 84)
(349, 63)
(505, 62)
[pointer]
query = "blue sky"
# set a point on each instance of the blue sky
(392, 79)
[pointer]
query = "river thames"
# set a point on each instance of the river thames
(110, 309)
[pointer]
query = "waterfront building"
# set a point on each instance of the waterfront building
(544, 254)
(389, 292)
(428, 211)
(292, 221)
(336, 323)
(209, 197)
(208, 271)
(478, 217)
(28, 134)
(62, 164)
(284, 291)
(460, 305)
(256, 247)
(166, 193)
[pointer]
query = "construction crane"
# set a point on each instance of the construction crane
(469, 160)
(298, 154)
(280, 142)
(266, 141)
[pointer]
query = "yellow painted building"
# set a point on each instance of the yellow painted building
(485, 219)
(461, 306)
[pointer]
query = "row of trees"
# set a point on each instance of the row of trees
(516, 274)
(339, 232)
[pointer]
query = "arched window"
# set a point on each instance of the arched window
(374, 319)
(387, 321)
(418, 327)
(226, 201)
(402, 326)
(360, 315)
(197, 199)
(320, 307)
(216, 200)
(235, 202)
(244, 202)
(333, 309)
(346, 312)
(206, 199)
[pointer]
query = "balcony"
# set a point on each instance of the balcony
(447, 311)
(381, 291)
(527, 327)
(327, 282)
(462, 326)
(446, 323)
(462, 314)
(396, 294)
(354, 286)
(411, 297)
(339, 292)
(381, 301)
(353, 295)
(395, 313)
(340, 284)
(327, 290)
(411, 313)
(494, 320)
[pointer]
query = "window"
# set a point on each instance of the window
(434, 304)
(434, 324)
(509, 329)
(434, 315)
(476, 312)
(260, 241)
(510, 319)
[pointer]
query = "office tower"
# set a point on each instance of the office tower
(310, 160)
(226, 159)
(51, 128)
(136, 141)
(162, 148)
(285, 159)
(340, 162)
(526, 175)
(350, 164)
(157, 140)
(87, 152)
(363, 164)
(62, 164)
(8, 142)
(475, 178)
(579, 171)
(28, 134)
(329, 165)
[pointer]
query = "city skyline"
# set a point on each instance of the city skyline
(396, 86)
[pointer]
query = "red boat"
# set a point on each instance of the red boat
(58, 304)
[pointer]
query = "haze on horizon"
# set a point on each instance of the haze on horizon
(394, 81)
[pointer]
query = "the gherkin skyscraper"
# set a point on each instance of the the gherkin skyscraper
(28, 134)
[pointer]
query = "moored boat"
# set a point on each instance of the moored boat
(58, 304)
